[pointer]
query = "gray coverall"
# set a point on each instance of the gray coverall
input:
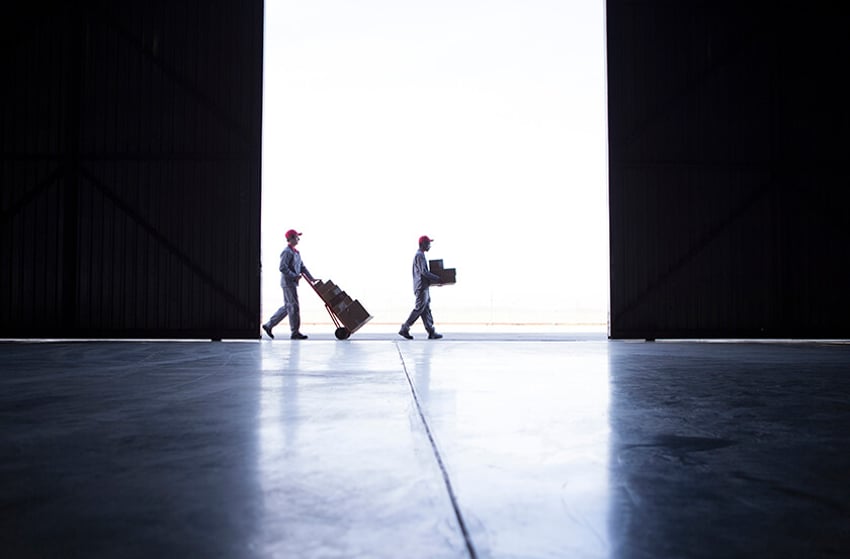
(422, 278)
(291, 268)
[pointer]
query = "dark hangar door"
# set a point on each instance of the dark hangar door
(131, 151)
(729, 182)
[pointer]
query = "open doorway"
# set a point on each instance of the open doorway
(480, 124)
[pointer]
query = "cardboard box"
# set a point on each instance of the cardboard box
(447, 275)
(354, 316)
(339, 300)
(342, 304)
(327, 290)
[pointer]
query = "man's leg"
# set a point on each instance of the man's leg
(422, 299)
(290, 295)
(427, 319)
(277, 317)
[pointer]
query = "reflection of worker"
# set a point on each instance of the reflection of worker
(422, 278)
(291, 268)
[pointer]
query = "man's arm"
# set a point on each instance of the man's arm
(422, 265)
(306, 273)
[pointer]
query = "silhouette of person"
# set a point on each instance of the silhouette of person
(291, 269)
(422, 278)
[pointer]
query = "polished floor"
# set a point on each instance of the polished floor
(502, 446)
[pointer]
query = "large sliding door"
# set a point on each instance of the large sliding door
(130, 169)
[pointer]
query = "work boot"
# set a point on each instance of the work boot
(405, 332)
(298, 336)
(434, 336)
(268, 330)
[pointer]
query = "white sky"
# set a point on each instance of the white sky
(479, 123)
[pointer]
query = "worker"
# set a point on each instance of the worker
(422, 278)
(291, 270)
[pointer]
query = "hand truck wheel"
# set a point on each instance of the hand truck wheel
(342, 333)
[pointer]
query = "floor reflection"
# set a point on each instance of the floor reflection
(585, 449)
(343, 462)
(523, 429)
(730, 450)
(278, 428)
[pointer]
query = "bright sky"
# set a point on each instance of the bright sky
(479, 123)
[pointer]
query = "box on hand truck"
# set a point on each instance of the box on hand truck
(348, 314)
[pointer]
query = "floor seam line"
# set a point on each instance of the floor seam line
(452, 497)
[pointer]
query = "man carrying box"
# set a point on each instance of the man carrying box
(422, 278)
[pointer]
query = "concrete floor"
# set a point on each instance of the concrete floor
(472, 446)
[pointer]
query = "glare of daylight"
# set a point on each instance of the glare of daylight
(479, 123)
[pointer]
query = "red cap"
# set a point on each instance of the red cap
(425, 239)
(292, 233)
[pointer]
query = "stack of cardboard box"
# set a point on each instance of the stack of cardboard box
(350, 312)
(447, 275)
